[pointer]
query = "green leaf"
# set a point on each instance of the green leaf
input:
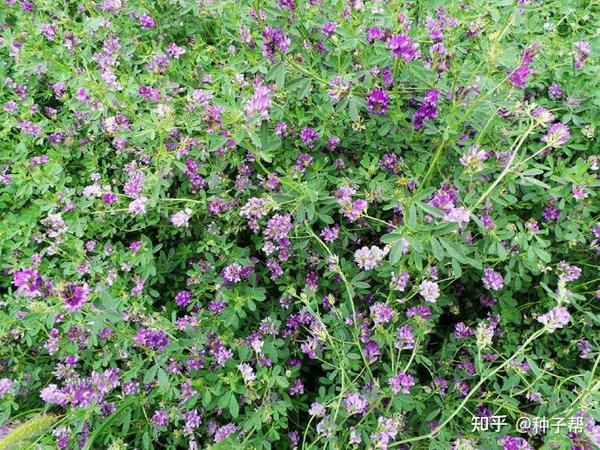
(396, 253)
(437, 250)
(146, 440)
(150, 374)
(206, 398)
(304, 92)
(543, 254)
(456, 268)
(454, 250)
(412, 217)
(432, 210)
(510, 382)
(163, 379)
(500, 250)
(353, 109)
(282, 381)
(391, 237)
(234, 407)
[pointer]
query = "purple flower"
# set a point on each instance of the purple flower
(544, 116)
(439, 61)
(372, 351)
(260, 102)
(160, 418)
(147, 22)
(5, 386)
(255, 208)
(405, 338)
(49, 31)
(317, 410)
(138, 206)
(278, 227)
(473, 160)
(289, 4)
(62, 435)
(333, 142)
(303, 161)
(247, 372)
(487, 301)
(427, 110)
(461, 331)
(419, 311)
(377, 101)
(337, 88)
(429, 290)
(369, 258)
(530, 52)
(514, 443)
(330, 234)
(436, 26)
(585, 347)
(381, 313)
(387, 429)
(389, 162)
(581, 51)
(274, 269)
(518, 77)
(181, 218)
(403, 47)
(30, 128)
(175, 51)
(554, 91)
(297, 388)
(75, 296)
(29, 283)
(492, 280)
(487, 221)
(401, 382)
(183, 298)
(11, 106)
(399, 282)
(51, 394)
(274, 39)
(355, 404)
(579, 192)
(567, 272)
(153, 339)
(192, 421)
(309, 136)
(374, 34)
(388, 79)
(551, 213)
(137, 289)
(149, 93)
(557, 135)
(135, 246)
(224, 432)
(281, 129)
(457, 215)
(232, 273)
(329, 28)
(556, 318)
(356, 209)
(221, 353)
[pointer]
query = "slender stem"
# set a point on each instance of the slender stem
(507, 169)
(350, 298)
(412, 356)
(473, 391)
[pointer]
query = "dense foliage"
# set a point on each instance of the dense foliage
(299, 224)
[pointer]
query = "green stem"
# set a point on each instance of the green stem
(507, 169)
(473, 391)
